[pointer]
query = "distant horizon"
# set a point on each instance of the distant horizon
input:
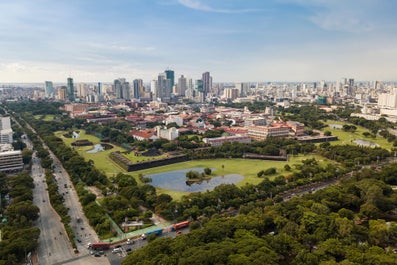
(234, 40)
(226, 82)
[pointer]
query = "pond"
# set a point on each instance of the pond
(176, 180)
(97, 148)
(365, 143)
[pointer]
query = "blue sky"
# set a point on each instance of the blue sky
(236, 40)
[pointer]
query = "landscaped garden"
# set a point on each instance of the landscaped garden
(346, 137)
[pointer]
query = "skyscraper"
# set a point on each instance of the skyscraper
(207, 83)
(62, 93)
(49, 89)
(169, 74)
(138, 84)
(99, 91)
(163, 87)
(122, 89)
(70, 89)
(181, 86)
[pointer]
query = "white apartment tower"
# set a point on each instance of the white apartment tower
(5, 131)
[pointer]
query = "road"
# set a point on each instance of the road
(54, 245)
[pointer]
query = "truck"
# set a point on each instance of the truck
(100, 245)
(156, 232)
(181, 225)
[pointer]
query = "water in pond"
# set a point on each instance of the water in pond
(97, 148)
(176, 180)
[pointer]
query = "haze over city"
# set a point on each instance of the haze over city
(276, 40)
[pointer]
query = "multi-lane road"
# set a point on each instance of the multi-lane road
(54, 244)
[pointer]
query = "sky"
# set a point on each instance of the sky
(235, 40)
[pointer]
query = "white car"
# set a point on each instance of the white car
(116, 250)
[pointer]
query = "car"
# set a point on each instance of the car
(128, 250)
(116, 250)
(97, 255)
(130, 242)
(118, 246)
(101, 252)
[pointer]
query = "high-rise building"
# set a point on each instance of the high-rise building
(164, 87)
(49, 89)
(153, 88)
(70, 89)
(207, 83)
(81, 90)
(169, 74)
(99, 88)
(5, 131)
(231, 93)
(138, 85)
(122, 89)
(62, 93)
(181, 86)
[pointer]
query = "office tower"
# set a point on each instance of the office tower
(138, 85)
(122, 89)
(169, 74)
(153, 88)
(49, 89)
(99, 89)
(350, 87)
(163, 87)
(207, 83)
(62, 93)
(70, 89)
(239, 87)
(181, 86)
(231, 93)
(198, 88)
(81, 90)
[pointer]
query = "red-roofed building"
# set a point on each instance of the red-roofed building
(143, 135)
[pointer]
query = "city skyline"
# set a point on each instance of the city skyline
(237, 41)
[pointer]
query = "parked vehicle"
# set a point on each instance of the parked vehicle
(100, 245)
(181, 225)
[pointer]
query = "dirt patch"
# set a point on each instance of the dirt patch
(96, 191)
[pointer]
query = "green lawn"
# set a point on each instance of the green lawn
(348, 137)
(246, 167)
(101, 159)
(47, 117)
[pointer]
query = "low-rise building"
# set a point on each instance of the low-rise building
(169, 134)
(297, 127)
(11, 161)
(261, 133)
(218, 141)
(254, 121)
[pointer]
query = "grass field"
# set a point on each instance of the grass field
(245, 167)
(47, 117)
(348, 137)
(101, 159)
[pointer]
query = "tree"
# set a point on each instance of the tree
(207, 171)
